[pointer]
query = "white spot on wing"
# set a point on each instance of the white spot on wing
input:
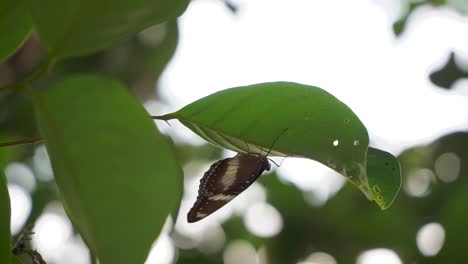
(222, 197)
(201, 215)
(229, 176)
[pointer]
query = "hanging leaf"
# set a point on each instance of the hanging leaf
(78, 27)
(116, 172)
(319, 126)
(384, 173)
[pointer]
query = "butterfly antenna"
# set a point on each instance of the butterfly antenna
(273, 162)
(276, 139)
(281, 163)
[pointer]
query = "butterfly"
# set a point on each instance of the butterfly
(226, 179)
(19, 247)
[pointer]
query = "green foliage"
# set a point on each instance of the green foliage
(447, 75)
(15, 25)
(319, 127)
(119, 178)
(5, 239)
(343, 227)
(446, 199)
(139, 62)
(383, 170)
(79, 27)
(411, 6)
(112, 166)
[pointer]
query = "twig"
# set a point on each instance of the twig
(21, 142)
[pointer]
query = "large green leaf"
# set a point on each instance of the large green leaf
(77, 27)
(15, 25)
(116, 172)
(5, 234)
(319, 127)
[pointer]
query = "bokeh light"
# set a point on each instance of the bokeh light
(52, 230)
(447, 167)
(418, 182)
(162, 252)
(212, 240)
(239, 251)
(73, 251)
(430, 239)
(379, 255)
(320, 182)
(42, 164)
(319, 258)
(21, 174)
(21, 204)
(263, 220)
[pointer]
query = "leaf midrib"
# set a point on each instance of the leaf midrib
(289, 154)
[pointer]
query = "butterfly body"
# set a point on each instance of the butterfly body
(224, 180)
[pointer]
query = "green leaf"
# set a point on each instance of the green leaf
(319, 127)
(16, 26)
(116, 172)
(384, 176)
(78, 27)
(16, 260)
(156, 53)
(5, 234)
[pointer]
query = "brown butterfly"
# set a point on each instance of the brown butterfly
(19, 248)
(226, 179)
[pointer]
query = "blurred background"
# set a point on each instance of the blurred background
(401, 65)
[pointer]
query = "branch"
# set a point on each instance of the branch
(21, 142)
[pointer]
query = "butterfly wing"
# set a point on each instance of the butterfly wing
(223, 181)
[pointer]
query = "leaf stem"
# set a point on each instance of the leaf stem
(164, 117)
(21, 142)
